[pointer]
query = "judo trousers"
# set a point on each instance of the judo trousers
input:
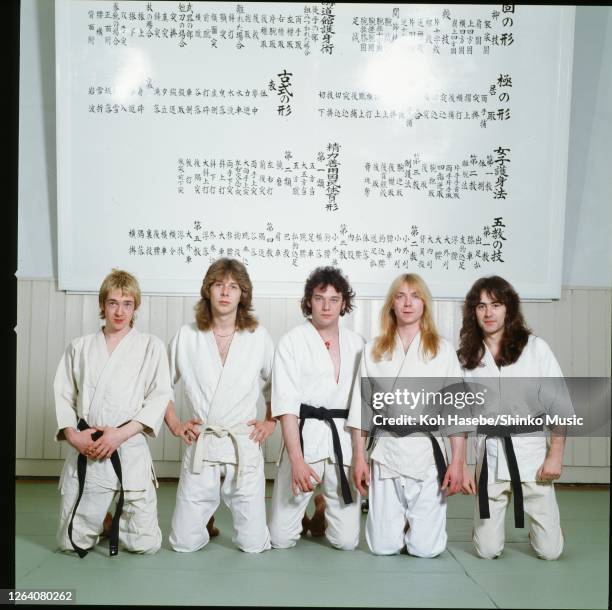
(395, 501)
(138, 527)
(343, 520)
(540, 505)
(197, 499)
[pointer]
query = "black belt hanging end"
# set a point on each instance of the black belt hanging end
(515, 481)
(113, 540)
(327, 415)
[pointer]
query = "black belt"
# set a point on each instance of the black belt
(402, 431)
(113, 539)
(323, 414)
(515, 475)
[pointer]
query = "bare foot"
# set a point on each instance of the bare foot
(106, 526)
(305, 524)
(210, 526)
(317, 522)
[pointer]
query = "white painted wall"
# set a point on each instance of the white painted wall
(588, 218)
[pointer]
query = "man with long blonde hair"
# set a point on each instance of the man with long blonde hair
(111, 389)
(223, 358)
(408, 476)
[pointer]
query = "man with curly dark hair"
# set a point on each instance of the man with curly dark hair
(314, 367)
(495, 343)
(323, 277)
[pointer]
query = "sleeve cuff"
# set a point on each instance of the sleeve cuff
(150, 428)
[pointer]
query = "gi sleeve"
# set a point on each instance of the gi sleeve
(175, 373)
(286, 395)
(158, 391)
(266, 369)
(65, 391)
(549, 367)
(553, 396)
(361, 400)
(462, 401)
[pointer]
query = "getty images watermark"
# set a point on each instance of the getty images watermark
(411, 399)
(503, 406)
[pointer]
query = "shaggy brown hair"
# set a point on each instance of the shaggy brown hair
(471, 338)
(218, 271)
(322, 277)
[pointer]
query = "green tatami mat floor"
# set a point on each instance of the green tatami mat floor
(314, 573)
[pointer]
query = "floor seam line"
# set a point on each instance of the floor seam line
(472, 579)
(34, 568)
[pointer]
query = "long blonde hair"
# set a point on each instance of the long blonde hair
(384, 345)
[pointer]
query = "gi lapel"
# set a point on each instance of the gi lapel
(90, 412)
(224, 387)
(319, 345)
(409, 362)
(215, 368)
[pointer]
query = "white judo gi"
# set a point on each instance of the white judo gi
(224, 397)
(304, 374)
(133, 383)
(540, 504)
(404, 484)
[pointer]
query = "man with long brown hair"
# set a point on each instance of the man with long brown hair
(314, 367)
(495, 343)
(408, 478)
(223, 358)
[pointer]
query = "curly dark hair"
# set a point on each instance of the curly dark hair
(322, 277)
(516, 333)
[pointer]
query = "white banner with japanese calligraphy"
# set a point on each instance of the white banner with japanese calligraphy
(383, 139)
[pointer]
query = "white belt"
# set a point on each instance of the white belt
(220, 432)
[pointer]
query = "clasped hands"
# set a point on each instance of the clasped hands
(101, 448)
